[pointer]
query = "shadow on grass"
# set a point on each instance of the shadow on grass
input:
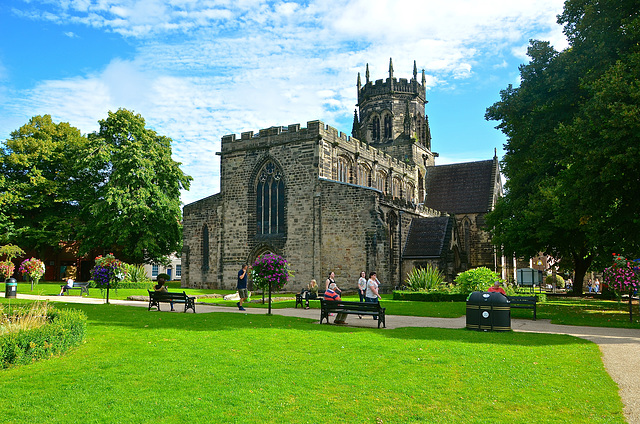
(139, 319)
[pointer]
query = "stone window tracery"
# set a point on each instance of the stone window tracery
(344, 170)
(364, 175)
(375, 130)
(387, 127)
(381, 178)
(270, 200)
(396, 187)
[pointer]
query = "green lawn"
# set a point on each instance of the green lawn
(138, 366)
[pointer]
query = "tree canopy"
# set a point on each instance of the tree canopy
(571, 159)
(116, 190)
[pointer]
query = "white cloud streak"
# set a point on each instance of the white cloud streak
(204, 69)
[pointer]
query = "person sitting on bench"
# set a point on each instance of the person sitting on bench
(331, 294)
(497, 289)
(66, 287)
(160, 287)
(310, 292)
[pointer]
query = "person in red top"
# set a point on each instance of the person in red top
(331, 294)
(496, 288)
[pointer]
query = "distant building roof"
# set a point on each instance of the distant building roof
(428, 237)
(461, 187)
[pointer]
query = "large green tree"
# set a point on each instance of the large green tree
(136, 210)
(40, 184)
(571, 157)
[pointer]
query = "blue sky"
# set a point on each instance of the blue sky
(200, 69)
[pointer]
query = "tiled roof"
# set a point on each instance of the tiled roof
(461, 187)
(427, 237)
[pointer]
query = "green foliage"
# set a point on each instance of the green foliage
(559, 281)
(11, 251)
(136, 278)
(573, 128)
(477, 279)
(434, 296)
(136, 211)
(41, 184)
(63, 329)
(426, 279)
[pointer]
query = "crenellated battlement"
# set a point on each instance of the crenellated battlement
(392, 86)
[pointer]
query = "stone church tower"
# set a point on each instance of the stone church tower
(326, 201)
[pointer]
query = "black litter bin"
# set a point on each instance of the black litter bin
(10, 288)
(488, 312)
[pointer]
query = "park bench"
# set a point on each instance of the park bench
(524, 302)
(351, 308)
(157, 297)
(300, 300)
(83, 287)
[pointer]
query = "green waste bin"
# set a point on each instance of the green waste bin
(488, 312)
(10, 288)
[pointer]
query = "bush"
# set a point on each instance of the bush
(559, 281)
(136, 278)
(63, 329)
(427, 278)
(477, 279)
(433, 296)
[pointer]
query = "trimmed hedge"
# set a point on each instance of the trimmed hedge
(429, 296)
(66, 328)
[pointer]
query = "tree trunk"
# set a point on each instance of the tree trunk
(581, 262)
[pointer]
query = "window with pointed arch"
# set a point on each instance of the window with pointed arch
(364, 175)
(410, 192)
(387, 127)
(396, 187)
(344, 170)
(467, 237)
(375, 130)
(205, 248)
(381, 179)
(270, 200)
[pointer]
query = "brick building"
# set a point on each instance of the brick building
(326, 201)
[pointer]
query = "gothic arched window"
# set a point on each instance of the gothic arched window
(344, 170)
(376, 129)
(205, 248)
(270, 200)
(467, 237)
(410, 193)
(387, 127)
(364, 175)
(381, 178)
(396, 187)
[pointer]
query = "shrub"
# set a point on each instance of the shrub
(136, 278)
(433, 296)
(62, 330)
(477, 279)
(559, 281)
(426, 279)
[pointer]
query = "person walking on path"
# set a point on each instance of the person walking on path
(372, 294)
(242, 286)
(362, 286)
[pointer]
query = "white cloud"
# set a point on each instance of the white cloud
(203, 69)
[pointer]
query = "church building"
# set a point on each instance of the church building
(326, 201)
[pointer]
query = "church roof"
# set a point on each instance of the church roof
(461, 187)
(427, 238)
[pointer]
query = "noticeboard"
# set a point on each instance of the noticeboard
(529, 277)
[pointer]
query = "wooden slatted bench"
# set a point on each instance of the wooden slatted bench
(524, 302)
(300, 300)
(351, 308)
(83, 287)
(156, 298)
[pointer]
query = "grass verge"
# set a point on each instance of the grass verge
(141, 367)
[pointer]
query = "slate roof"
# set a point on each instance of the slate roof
(461, 187)
(427, 237)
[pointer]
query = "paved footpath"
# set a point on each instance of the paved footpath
(620, 347)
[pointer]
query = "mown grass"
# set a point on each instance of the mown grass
(560, 310)
(138, 366)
